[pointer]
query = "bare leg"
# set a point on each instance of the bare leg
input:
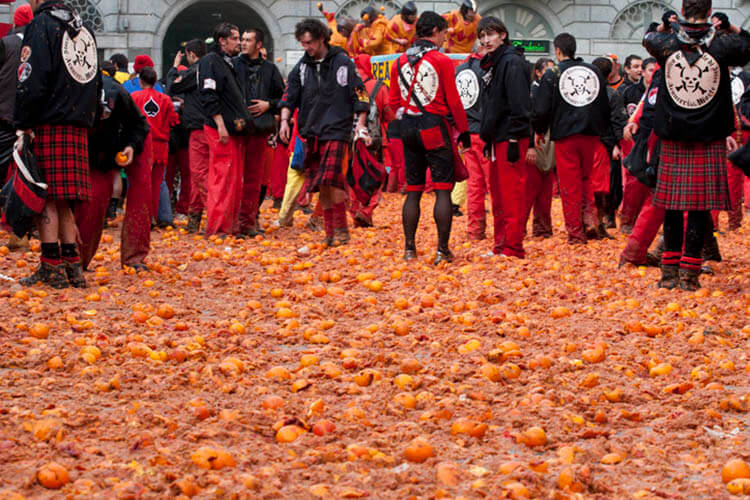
(67, 223)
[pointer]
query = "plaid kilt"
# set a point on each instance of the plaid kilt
(62, 153)
(692, 176)
(326, 163)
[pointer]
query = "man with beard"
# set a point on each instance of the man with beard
(56, 103)
(226, 122)
(401, 29)
(263, 88)
(325, 88)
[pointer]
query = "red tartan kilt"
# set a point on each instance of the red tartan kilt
(600, 172)
(62, 153)
(692, 176)
(326, 163)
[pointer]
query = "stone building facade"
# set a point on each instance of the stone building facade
(157, 27)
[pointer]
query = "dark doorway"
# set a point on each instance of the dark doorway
(199, 20)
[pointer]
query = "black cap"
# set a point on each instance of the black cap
(370, 11)
(468, 4)
(409, 9)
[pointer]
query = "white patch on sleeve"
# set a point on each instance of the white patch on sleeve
(342, 76)
(209, 83)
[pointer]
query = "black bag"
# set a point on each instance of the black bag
(640, 165)
(25, 193)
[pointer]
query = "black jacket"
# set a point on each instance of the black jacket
(260, 79)
(59, 81)
(506, 107)
(695, 98)
(10, 53)
(192, 117)
(327, 94)
(221, 93)
(471, 86)
(571, 100)
(631, 95)
(119, 126)
(618, 118)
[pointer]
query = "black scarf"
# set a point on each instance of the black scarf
(490, 59)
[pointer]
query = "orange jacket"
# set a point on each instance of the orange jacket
(461, 35)
(398, 29)
(376, 43)
(337, 39)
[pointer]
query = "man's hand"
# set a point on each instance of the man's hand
(129, 153)
(629, 131)
(258, 107)
(531, 156)
(361, 132)
(616, 153)
(731, 144)
(284, 131)
(178, 58)
(223, 134)
(539, 140)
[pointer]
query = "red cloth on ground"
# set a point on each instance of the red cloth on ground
(90, 215)
(508, 193)
(136, 228)
(224, 183)
(199, 155)
(574, 157)
(477, 186)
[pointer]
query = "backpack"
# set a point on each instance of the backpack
(373, 121)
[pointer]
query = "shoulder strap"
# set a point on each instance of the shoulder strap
(378, 85)
(411, 94)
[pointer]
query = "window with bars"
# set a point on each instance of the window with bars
(90, 15)
(631, 23)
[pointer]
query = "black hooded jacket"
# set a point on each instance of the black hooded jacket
(260, 79)
(119, 126)
(59, 81)
(506, 106)
(221, 93)
(327, 93)
(193, 117)
(582, 109)
(695, 96)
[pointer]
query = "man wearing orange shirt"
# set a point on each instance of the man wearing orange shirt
(462, 32)
(375, 42)
(401, 31)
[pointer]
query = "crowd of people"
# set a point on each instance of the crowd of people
(223, 130)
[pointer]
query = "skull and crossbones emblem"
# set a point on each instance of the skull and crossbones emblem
(692, 86)
(691, 78)
(579, 85)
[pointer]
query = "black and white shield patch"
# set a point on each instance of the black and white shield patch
(692, 86)
(579, 86)
(79, 56)
(467, 84)
(425, 86)
(151, 108)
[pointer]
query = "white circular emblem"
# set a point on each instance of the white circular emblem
(652, 96)
(630, 108)
(342, 76)
(738, 88)
(692, 87)
(467, 84)
(79, 56)
(579, 86)
(24, 72)
(426, 85)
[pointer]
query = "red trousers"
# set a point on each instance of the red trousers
(278, 174)
(198, 153)
(224, 183)
(634, 195)
(508, 194)
(477, 186)
(397, 177)
(90, 214)
(539, 198)
(180, 162)
(600, 172)
(736, 179)
(574, 157)
(644, 232)
(252, 179)
(136, 228)
(355, 207)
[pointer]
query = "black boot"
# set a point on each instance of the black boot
(711, 249)
(48, 274)
(443, 256)
(112, 208)
(457, 211)
(670, 277)
(75, 274)
(689, 279)
(194, 222)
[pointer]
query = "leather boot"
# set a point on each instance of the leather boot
(194, 222)
(670, 277)
(53, 276)
(689, 279)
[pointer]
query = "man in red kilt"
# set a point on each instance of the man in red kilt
(695, 120)
(325, 87)
(56, 102)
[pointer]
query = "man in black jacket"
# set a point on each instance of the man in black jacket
(56, 101)
(572, 104)
(695, 120)
(505, 129)
(185, 84)
(120, 128)
(325, 87)
(226, 122)
(263, 88)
